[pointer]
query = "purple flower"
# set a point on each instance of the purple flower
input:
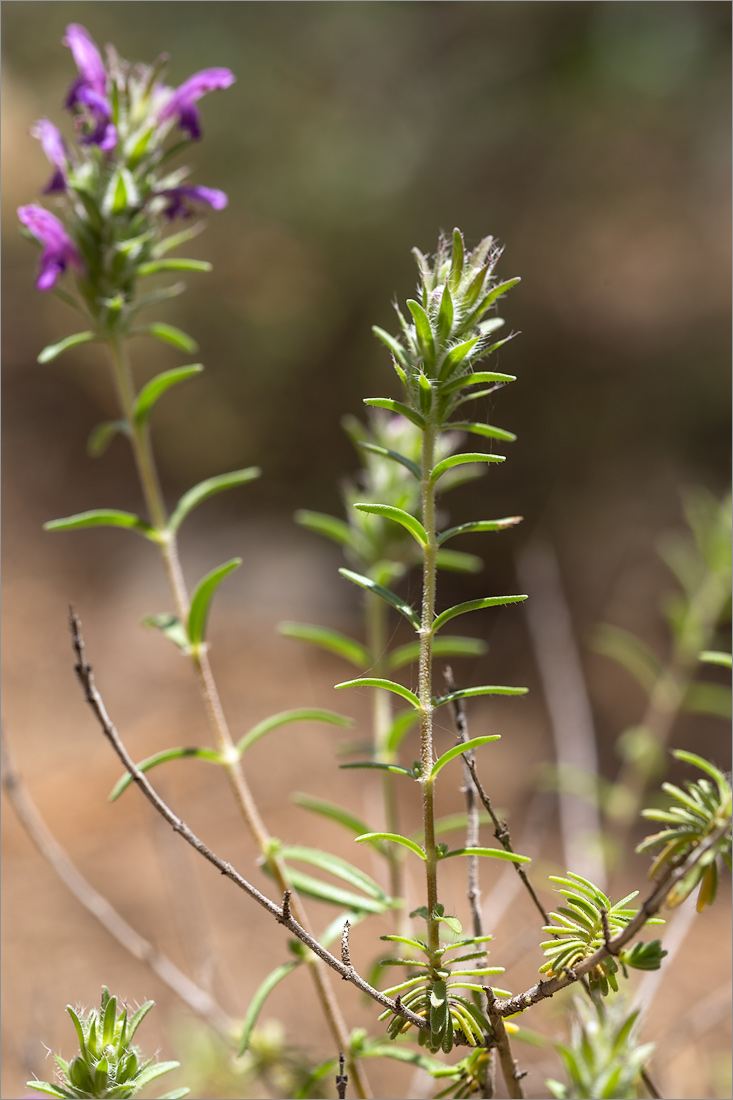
(58, 248)
(178, 200)
(88, 60)
(89, 90)
(54, 147)
(182, 100)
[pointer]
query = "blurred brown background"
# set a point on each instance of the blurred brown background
(593, 139)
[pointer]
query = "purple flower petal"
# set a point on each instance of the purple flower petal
(58, 249)
(54, 147)
(179, 199)
(87, 57)
(182, 100)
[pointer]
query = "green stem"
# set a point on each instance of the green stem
(425, 688)
(150, 484)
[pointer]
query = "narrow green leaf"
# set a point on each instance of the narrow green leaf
(386, 453)
(152, 1072)
(383, 767)
(704, 765)
(456, 561)
(460, 460)
(479, 525)
(169, 334)
(486, 689)
(473, 605)
(447, 646)
(284, 718)
(491, 297)
(335, 895)
(455, 357)
(401, 726)
(413, 525)
(630, 652)
(157, 386)
(336, 866)
(202, 597)
(486, 430)
(171, 626)
(458, 750)
(331, 640)
(208, 488)
(101, 436)
(175, 240)
(324, 524)
(263, 991)
(477, 378)
(423, 329)
(396, 407)
(702, 698)
(103, 517)
(396, 838)
(456, 263)
(715, 657)
(445, 315)
(385, 593)
(51, 1090)
(156, 266)
(137, 1018)
(394, 346)
(331, 811)
(388, 685)
(51, 351)
(161, 758)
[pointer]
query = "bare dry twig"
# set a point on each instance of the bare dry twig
(198, 1000)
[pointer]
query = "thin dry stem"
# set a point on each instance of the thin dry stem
(198, 1000)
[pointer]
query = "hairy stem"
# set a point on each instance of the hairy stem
(425, 688)
(150, 484)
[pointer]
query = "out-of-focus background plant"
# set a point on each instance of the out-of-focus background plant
(594, 138)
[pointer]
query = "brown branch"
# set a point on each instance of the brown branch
(650, 906)
(94, 699)
(341, 1079)
(502, 834)
(197, 999)
(498, 1039)
(509, 1066)
(472, 811)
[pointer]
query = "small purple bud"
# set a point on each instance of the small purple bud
(58, 248)
(87, 58)
(104, 133)
(182, 100)
(178, 200)
(54, 147)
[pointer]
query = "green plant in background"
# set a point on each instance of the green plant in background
(700, 561)
(604, 1059)
(381, 550)
(107, 1065)
(117, 195)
